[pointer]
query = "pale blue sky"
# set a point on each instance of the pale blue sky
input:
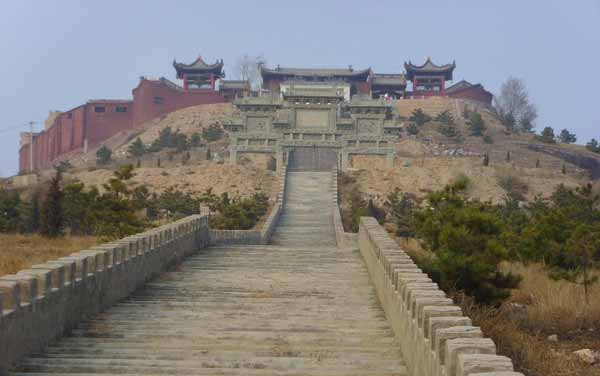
(56, 55)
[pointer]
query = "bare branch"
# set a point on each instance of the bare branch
(514, 103)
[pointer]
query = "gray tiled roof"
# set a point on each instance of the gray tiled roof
(234, 84)
(199, 66)
(459, 85)
(429, 67)
(315, 72)
(388, 79)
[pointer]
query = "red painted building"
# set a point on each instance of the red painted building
(429, 79)
(89, 124)
(199, 75)
(466, 90)
(155, 97)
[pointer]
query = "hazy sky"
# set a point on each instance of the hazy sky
(56, 55)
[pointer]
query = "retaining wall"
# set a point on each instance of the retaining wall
(47, 300)
(435, 337)
(262, 236)
(342, 238)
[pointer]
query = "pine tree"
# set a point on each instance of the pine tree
(445, 117)
(181, 142)
(593, 146)
(567, 137)
(402, 207)
(10, 205)
(466, 237)
(52, 218)
(195, 140)
(547, 136)
(137, 148)
(213, 133)
(581, 258)
(31, 220)
(476, 124)
(419, 117)
(412, 129)
(103, 156)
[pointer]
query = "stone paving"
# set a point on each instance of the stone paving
(301, 306)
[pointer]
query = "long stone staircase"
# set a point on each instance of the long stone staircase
(301, 306)
(307, 218)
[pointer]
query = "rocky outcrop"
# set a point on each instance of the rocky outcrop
(581, 159)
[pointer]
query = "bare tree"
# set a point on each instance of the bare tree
(515, 107)
(247, 68)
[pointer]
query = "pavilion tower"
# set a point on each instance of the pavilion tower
(429, 79)
(199, 74)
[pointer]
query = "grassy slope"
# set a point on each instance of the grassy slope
(19, 252)
(422, 163)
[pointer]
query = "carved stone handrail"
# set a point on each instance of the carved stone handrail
(435, 337)
(41, 303)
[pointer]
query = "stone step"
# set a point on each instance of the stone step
(299, 306)
(191, 361)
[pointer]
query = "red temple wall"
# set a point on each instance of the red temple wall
(71, 128)
(153, 99)
(475, 93)
(102, 125)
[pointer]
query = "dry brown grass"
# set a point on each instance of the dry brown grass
(532, 353)
(555, 306)
(19, 252)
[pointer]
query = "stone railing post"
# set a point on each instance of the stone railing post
(435, 337)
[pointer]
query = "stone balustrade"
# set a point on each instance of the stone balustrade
(45, 301)
(436, 339)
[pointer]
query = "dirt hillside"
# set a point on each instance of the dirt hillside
(236, 180)
(432, 173)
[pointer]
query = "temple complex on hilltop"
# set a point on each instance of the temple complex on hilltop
(346, 110)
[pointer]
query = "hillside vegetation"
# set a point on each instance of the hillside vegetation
(433, 156)
(20, 251)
